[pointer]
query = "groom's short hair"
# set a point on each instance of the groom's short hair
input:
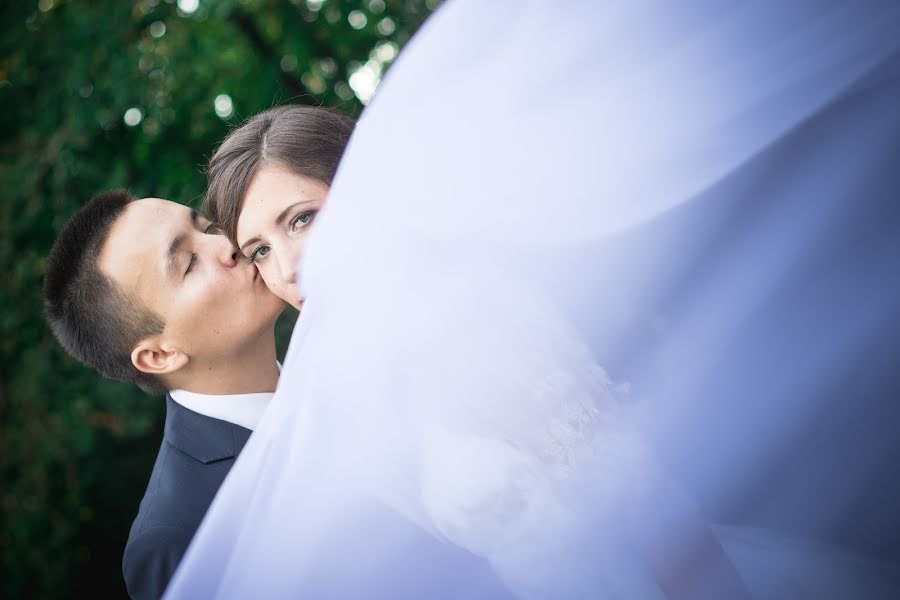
(92, 317)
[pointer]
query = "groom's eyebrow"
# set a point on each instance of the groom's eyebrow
(175, 246)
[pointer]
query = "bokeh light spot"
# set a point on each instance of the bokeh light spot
(288, 63)
(157, 29)
(385, 51)
(328, 67)
(386, 26)
(224, 106)
(133, 116)
(188, 6)
(365, 79)
(357, 19)
(313, 82)
(343, 90)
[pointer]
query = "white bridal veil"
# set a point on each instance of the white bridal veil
(575, 249)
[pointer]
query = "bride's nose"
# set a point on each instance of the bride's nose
(287, 264)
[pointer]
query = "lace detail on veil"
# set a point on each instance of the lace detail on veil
(547, 420)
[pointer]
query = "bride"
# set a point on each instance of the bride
(475, 265)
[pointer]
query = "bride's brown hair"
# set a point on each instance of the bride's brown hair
(306, 140)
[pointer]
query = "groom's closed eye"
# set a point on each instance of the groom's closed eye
(202, 224)
(191, 263)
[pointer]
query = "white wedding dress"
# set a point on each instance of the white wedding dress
(529, 179)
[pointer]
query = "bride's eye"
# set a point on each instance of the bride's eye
(302, 220)
(258, 254)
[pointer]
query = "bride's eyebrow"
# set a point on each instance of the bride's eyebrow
(281, 216)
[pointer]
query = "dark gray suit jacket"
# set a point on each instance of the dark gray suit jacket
(195, 456)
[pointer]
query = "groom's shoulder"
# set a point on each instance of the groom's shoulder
(194, 457)
(168, 517)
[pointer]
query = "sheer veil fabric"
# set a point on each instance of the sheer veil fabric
(480, 356)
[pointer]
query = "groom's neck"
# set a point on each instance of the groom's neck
(250, 370)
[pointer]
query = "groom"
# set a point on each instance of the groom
(148, 292)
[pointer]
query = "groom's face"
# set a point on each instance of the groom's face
(211, 300)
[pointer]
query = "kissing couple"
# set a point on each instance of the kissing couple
(153, 293)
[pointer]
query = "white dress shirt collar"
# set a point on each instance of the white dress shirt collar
(241, 409)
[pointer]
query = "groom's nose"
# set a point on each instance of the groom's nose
(224, 251)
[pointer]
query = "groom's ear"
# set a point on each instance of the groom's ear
(151, 357)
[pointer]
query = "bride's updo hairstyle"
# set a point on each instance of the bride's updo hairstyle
(306, 140)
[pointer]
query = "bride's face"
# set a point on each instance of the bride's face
(278, 210)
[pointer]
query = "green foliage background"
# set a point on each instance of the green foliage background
(76, 450)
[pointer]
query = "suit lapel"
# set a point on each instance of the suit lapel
(204, 438)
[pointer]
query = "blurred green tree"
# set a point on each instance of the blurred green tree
(105, 94)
